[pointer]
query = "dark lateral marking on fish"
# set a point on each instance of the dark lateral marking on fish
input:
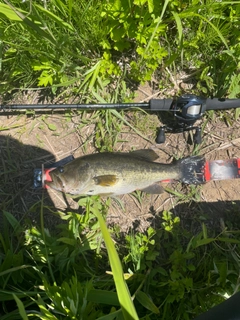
(83, 166)
(106, 180)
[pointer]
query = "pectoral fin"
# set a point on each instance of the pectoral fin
(154, 189)
(106, 180)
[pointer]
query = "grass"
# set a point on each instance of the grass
(67, 265)
(56, 45)
(63, 275)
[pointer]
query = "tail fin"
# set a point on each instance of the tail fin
(192, 170)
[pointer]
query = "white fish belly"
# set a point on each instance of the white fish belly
(120, 187)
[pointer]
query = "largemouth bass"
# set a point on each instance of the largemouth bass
(119, 173)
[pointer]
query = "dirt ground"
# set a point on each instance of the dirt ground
(27, 142)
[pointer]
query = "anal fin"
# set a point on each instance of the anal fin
(154, 189)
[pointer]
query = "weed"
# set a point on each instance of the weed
(58, 268)
(181, 268)
(61, 47)
(167, 272)
(55, 48)
(63, 275)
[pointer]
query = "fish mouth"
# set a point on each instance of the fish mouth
(55, 183)
(46, 177)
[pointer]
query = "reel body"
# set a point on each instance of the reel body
(186, 109)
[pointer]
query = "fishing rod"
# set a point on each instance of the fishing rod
(186, 110)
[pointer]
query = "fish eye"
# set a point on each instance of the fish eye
(61, 169)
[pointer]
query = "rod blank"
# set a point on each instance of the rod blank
(121, 106)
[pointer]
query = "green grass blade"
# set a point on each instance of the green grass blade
(55, 18)
(32, 25)
(110, 316)
(187, 15)
(203, 242)
(228, 240)
(3, 273)
(146, 302)
(179, 26)
(12, 221)
(94, 75)
(1, 48)
(124, 296)
(158, 23)
(103, 296)
(118, 115)
(180, 32)
(98, 97)
(6, 295)
(21, 308)
(214, 27)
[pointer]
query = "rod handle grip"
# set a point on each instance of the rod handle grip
(160, 104)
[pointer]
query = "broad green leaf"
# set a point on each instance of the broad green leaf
(45, 79)
(150, 6)
(159, 20)
(203, 242)
(9, 13)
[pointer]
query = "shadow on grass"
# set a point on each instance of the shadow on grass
(17, 195)
(227, 310)
(215, 215)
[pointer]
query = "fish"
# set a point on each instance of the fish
(116, 173)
